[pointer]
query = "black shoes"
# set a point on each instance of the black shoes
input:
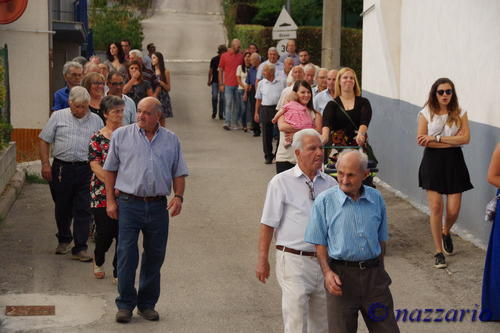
(123, 316)
(226, 128)
(213, 115)
(447, 245)
(149, 314)
(440, 261)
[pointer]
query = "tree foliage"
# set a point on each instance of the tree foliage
(110, 24)
(304, 12)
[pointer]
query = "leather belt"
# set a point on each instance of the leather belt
(70, 163)
(146, 199)
(300, 253)
(363, 264)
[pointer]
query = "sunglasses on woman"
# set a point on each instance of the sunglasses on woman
(447, 92)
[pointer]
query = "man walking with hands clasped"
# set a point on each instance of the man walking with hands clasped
(349, 228)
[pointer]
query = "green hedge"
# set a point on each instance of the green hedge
(308, 38)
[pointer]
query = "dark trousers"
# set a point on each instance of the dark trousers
(283, 166)
(267, 113)
(217, 98)
(152, 219)
(106, 230)
(70, 191)
(365, 290)
(251, 111)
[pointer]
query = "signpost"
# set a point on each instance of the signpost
(283, 30)
(285, 27)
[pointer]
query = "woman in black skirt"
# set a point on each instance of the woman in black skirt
(443, 128)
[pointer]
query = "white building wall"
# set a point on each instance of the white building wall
(28, 43)
(407, 45)
(458, 39)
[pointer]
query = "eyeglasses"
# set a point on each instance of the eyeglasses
(447, 92)
(311, 190)
(98, 83)
(117, 83)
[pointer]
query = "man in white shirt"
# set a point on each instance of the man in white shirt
(267, 96)
(289, 199)
(272, 59)
(322, 98)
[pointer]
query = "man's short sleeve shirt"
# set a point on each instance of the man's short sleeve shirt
(229, 62)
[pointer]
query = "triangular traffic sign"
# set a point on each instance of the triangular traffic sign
(284, 22)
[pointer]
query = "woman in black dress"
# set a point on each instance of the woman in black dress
(162, 85)
(442, 128)
(346, 118)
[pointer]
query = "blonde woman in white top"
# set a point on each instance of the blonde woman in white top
(443, 128)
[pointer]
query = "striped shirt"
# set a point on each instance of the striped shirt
(352, 230)
(70, 135)
(288, 205)
(145, 168)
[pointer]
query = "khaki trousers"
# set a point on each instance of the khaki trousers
(303, 299)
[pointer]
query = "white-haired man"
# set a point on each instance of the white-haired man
(69, 131)
(289, 199)
(325, 96)
(348, 226)
(272, 59)
(72, 72)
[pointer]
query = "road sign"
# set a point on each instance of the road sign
(281, 46)
(285, 27)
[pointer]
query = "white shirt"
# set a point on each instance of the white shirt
(242, 75)
(288, 206)
(269, 92)
(278, 72)
(321, 100)
(282, 97)
(438, 126)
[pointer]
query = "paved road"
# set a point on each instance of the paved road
(208, 282)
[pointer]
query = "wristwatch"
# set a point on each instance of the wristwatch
(180, 197)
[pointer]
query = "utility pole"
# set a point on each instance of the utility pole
(289, 6)
(330, 41)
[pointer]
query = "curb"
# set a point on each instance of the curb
(12, 190)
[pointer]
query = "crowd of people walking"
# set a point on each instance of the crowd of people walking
(115, 163)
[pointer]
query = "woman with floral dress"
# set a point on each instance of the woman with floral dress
(106, 227)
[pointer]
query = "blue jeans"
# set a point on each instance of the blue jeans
(243, 113)
(152, 219)
(231, 105)
(217, 96)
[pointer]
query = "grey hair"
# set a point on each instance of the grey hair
(272, 49)
(109, 102)
(322, 69)
(79, 94)
(298, 137)
(71, 64)
(362, 157)
(136, 52)
(270, 67)
(310, 66)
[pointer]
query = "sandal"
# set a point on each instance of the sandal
(99, 272)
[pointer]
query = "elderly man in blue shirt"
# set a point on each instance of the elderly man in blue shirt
(348, 225)
(72, 72)
(144, 163)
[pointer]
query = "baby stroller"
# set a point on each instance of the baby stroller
(331, 170)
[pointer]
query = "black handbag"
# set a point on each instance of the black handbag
(367, 147)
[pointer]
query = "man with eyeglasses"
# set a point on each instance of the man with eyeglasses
(72, 72)
(116, 80)
(348, 226)
(289, 199)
